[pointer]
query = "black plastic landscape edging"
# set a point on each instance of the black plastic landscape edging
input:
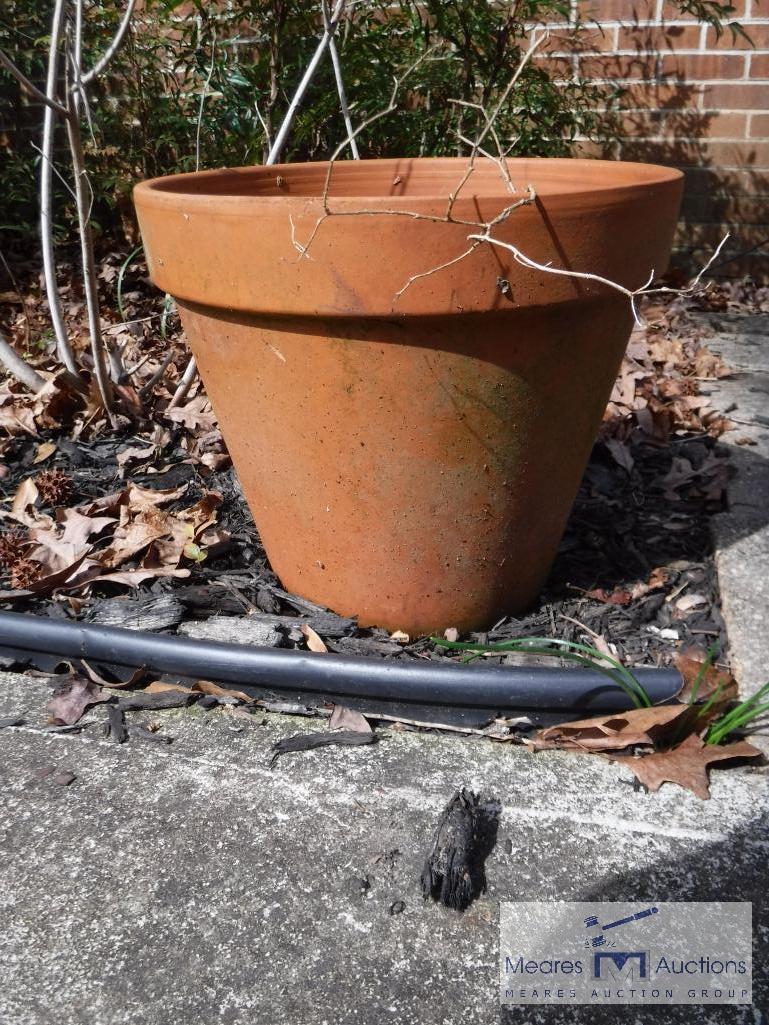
(504, 688)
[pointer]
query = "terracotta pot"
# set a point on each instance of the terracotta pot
(410, 457)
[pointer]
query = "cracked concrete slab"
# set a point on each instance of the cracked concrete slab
(192, 883)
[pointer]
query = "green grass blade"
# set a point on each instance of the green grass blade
(121, 275)
(707, 663)
(581, 654)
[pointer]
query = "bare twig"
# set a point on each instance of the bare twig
(534, 45)
(435, 270)
(147, 387)
(113, 47)
(84, 198)
(90, 288)
(185, 384)
(334, 54)
(203, 94)
(280, 139)
(28, 86)
(476, 240)
(22, 299)
(19, 367)
(63, 346)
(632, 293)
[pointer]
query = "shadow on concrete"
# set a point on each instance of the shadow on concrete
(734, 869)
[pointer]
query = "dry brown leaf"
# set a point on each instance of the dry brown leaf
(131, 577)
(686, 765)
(619, 596)
(215, 541)
(141, 499)
(79, 528)
(620, 453)
(202, 514)
(200, 687)
(72, 697)
(24, 501)
(108, 505)
(314, 642)
(44, 450)
(18, 419)
(708, 365)
(157, 687)
(131, 457)
(343, 718)
(689, 664)
(133, 679)
(206, 687)
(45, 585)
(196, 415)
(612, 732)
(149, 525)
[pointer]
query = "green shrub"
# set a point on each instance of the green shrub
(199, 89)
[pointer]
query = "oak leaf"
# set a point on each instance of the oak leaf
(686, 765)
(612, 732)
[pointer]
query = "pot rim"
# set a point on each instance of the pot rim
(566, 180)
(248, 250)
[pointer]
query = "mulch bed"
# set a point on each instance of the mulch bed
(634, 573)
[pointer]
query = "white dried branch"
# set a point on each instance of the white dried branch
(113, 47)
(147, 387)
(334, 54)
(632, 293)
(63, 346)
(184, 384)
(475, 239)
(203, 95)
(435, 270)
(280, 139)
(19, 367)
(90, 287)
(29, 87)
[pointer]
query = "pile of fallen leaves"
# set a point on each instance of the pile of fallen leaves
(662, 743)
(143, 330)
(657, 392)
(126, 537)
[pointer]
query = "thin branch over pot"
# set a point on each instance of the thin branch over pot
(632, 293)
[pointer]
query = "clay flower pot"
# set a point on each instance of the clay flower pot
(409, 456)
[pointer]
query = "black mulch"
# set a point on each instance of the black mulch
(623, 527)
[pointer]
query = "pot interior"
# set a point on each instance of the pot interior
(416, 177)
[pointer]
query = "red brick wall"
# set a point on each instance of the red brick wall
(692, 101)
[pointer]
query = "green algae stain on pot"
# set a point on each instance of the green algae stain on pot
(413, 462)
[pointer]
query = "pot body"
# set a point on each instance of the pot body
(410, 456)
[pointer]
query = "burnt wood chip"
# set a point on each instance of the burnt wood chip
(11, 720)
(309, 741)
(454, 872)
(150, 612)
(116, 724)
(154, 702)
(142, 733)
